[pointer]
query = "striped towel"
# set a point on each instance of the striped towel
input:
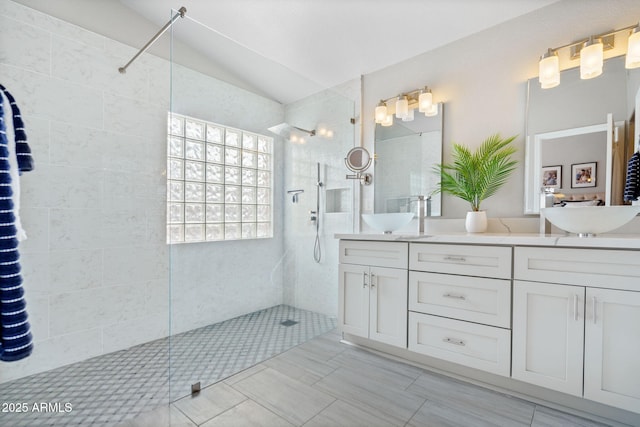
(632, 185)
(15, 332)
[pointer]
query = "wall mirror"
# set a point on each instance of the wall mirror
(580, 124)
(405, 154)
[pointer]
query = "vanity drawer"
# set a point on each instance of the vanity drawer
(381, 254)
(475, 299)
(484, 261)
(602, 268)
(477, 346)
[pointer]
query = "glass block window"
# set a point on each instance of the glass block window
(219, 182)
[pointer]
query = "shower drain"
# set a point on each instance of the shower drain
(288, 322)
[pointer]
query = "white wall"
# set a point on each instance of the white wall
(96, 267)
(482, 80)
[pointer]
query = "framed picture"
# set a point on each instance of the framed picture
(583, 175)
(552, 176)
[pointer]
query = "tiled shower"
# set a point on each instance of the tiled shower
(99, 276)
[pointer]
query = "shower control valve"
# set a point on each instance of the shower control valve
(313, 215)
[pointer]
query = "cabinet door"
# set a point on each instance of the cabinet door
(353, 312)
(388, 315)
(612, 348)
(548, 335)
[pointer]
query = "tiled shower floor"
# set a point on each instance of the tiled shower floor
(108, 389)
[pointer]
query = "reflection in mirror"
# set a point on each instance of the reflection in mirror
(567, 125)
(405, 154)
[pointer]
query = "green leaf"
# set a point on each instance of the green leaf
(476, 176)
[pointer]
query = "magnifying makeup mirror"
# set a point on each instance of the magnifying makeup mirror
(358, 160)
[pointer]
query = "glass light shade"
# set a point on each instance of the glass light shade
(549, 70)
(633, 50)
(591, 59)
(388, 121)
(402, 107)
(410, 116)
(433, 111)
(425, 101)
(381, 113)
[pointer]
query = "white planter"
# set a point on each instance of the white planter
(476, 222)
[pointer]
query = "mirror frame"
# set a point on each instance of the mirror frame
(533, 161)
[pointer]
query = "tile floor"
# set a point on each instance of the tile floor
(115, 387)
(323, 383)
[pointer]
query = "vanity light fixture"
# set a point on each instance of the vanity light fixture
(633, 49)
(425, 100)
(591, 53)
(403, 106)
(591, 58)
(549, 69)
(381, 112)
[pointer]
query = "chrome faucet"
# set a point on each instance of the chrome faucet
(424, 208)
(547, 199)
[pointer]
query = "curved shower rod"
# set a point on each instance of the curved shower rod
(180, 14)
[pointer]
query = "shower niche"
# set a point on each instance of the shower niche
(338, 200)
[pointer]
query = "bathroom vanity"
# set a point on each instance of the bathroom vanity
(552, 318)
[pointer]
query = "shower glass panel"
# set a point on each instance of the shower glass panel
(233, 233)
(95, 264)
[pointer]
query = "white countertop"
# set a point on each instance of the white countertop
(617, 241)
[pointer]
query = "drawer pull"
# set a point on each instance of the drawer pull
(454, 341)
(455, 258)
(454, 296)
(364, 280)
(373, 277)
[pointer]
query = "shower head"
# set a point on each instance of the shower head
(286, 130)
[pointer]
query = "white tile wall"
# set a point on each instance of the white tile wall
(96, 269)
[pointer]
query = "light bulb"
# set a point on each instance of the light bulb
(381, 112)
(425, 100)
(549, 70)
(293, 138)
(388, 121)
(402, 107)
(633, 49)
(329, 134)
(591, 58)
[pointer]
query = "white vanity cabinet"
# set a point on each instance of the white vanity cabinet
(460, 304)
(373, 290)
(574, 305)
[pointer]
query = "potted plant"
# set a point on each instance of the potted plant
(476, 176)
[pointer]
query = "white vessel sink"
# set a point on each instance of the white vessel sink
(590, 220)
(388, 222)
